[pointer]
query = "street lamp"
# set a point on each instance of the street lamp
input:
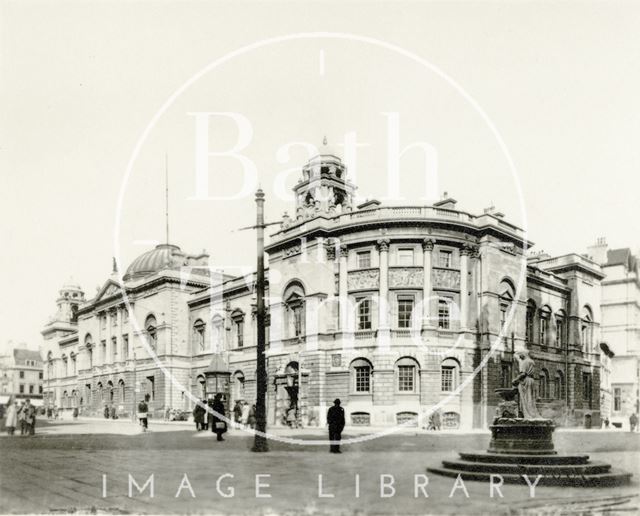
(260, 441)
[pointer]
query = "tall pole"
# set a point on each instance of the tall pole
(260, 443)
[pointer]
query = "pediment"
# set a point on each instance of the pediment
(108, 290)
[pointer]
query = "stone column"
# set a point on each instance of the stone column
(464, 286)
(384, 332)
(342, 289)
(427, 252)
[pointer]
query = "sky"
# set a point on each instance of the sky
(80, 82)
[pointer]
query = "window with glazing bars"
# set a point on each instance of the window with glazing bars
(406, 378)
(364, 314)
(363, 378)
(405, 307)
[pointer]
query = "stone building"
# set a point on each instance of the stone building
(21, 371)
(392, 309)
(621, 327)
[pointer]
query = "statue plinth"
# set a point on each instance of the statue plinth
(522, 448)
(525, 436)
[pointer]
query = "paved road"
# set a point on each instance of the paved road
(61, 471)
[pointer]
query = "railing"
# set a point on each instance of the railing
(365, 334)
(393, 212)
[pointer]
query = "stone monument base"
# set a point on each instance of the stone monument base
(520, 450)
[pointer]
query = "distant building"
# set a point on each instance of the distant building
(621, 326)
(392, 309)
(22, 375)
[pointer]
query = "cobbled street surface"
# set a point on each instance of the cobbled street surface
(61, 470)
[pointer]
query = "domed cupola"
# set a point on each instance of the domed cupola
(323, 188)
(163, 256)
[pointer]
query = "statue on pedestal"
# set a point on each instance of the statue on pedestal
(525, 382)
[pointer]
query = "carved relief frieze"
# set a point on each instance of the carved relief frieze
(366, 279)
(406, 277)
(445, 278)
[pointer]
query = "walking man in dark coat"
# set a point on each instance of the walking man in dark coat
(335, 420)
(218, 425)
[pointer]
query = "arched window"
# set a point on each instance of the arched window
(558, 390)
(198, 336)
(294, 309)
(449, 375)
(122, 390)
(74, 398)
(543, 389)
(100, 393)
(65, 365)
(545, 315)
(531, 314)
(203, 387)
(152, 331)
(110, 391)
(507, 294)
(561, 328)
(74, 369)
(88, 343)
(407, 375)
(586, 329)
(361, 376)
(65, 399)
(237, 316)
(238, 384)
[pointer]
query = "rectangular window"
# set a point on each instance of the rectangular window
(406, 378)
(21, 389)
(297, 320)
(114, 319)
(240, 333)
(363, 378)
(503, 316)
(405, 308)
(364, 313)
(114, 348)
(40, 389)
(405, 256)
(151, 387)
(505, 375)
(363, 259)
(529, 326)
(544, 325)
(40, 375)
(444, 259)
(30, 389)
(617, 399)
(444, 314)
(587, 388)
(559, 332)
(21, 374)
(125, 347)
(447, 379)
(103, 351)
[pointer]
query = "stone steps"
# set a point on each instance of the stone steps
(608, 479)
(508, 458)
(592, 468)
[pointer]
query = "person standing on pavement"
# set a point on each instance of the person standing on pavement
(11, 416)
(633, 422)
(143, 413)
(335, 420)
(237, 412)
(22, 414)
(29, 417)
(251, 417)
(218, 425)
(198, 416)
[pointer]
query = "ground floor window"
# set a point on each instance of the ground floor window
(617, 399)
(360, 419)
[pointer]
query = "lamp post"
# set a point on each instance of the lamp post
(260, 443)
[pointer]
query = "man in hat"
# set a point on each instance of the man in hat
(143, 411)
(335, 420)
